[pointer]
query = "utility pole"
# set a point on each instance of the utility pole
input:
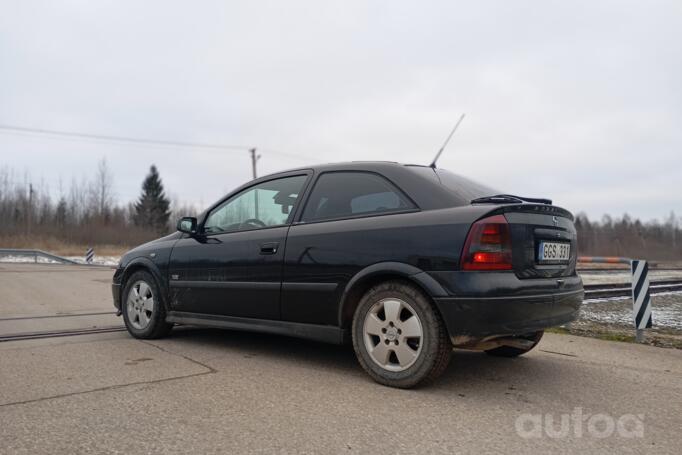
(254, 160)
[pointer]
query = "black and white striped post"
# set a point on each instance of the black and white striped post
(89, 255)
(641, 300)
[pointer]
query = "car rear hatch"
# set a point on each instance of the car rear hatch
(534, 223)
(543, 240)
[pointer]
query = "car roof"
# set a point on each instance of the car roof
(350, 165)
(424, 188)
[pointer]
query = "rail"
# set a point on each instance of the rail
(60, 333)
(35, 254)
(609, 290)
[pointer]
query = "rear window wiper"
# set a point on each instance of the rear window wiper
(509, 199)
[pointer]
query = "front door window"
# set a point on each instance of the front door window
(267, 204)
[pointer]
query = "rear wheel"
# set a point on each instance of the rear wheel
(143, 311)
(399, 338)
(511, 351)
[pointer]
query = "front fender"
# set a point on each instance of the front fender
(388, 270)
(144, 263)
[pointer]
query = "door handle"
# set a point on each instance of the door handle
(269, 248)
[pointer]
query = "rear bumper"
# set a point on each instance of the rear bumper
(481, 317)
(501, 304)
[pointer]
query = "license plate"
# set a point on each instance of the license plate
(554, 252)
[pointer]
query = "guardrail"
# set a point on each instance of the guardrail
(35, 254)
(609, 290)
(604, 260)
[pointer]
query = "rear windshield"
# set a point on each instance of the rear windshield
(463, 187)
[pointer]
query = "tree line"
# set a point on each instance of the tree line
(628, 237)
(88, 214)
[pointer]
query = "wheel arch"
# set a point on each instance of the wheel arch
(143, 264)
(378, 273)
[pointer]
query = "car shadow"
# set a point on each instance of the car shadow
(465, 370)
(271, 347)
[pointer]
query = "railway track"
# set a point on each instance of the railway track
(60, 333)
(592, 292)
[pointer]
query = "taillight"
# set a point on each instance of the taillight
(488, 245)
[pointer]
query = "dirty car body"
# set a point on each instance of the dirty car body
(319, 238)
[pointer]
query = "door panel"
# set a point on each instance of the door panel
(233, 266)
(229, 274)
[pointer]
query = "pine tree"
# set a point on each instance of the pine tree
(152, 209)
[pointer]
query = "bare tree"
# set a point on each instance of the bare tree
(77, 202)
(102, 190)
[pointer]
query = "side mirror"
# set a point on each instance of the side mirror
(187, 224)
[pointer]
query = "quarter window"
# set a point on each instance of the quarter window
(266, 204)
(348, 194)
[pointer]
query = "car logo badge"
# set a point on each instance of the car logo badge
(556, 220)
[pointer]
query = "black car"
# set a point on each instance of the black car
(406, 261)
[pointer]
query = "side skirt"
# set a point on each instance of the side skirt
(324, 333)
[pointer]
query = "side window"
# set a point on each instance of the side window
(266, 204)
(347, 194)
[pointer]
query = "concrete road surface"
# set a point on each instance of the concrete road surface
(206, 391)
(46, 297)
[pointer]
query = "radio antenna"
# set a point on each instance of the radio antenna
(433, 163)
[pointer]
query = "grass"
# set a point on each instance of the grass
(616, 337)
(658, 338)
(559, 330)
(608, 336)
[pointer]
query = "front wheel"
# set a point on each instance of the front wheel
(399, 338)
(143, 311)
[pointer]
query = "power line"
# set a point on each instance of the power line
(71, 135)
(21, 129)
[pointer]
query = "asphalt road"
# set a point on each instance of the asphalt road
(45, 297)
(206, 391)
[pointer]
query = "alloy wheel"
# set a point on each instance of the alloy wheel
(140, 305)
(393, 334)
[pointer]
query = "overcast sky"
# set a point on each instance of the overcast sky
(577, 101)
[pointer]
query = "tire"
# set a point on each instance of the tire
(143, 310)
(509, 351)
(423, 343)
